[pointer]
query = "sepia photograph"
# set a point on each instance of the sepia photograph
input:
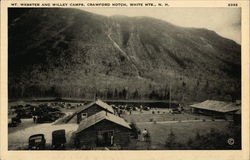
(124, 78)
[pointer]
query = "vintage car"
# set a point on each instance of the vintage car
(175, 111)
(45, 118)
(14, 121)
(48, 117)
(58, 139)
(37, 142)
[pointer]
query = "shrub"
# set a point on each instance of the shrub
(135, 130)
(197, 136)
(171, 141)
(212, 140)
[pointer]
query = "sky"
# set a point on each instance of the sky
(224, 21)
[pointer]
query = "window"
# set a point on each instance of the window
(84, 115)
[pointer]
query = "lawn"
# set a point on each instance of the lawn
(183, 131)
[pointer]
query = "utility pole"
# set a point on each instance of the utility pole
(170, 93)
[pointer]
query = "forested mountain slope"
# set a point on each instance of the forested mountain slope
(73, 53)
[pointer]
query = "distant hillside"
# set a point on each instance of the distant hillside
(73, 53)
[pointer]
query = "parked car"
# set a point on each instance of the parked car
(14, 121)
(45, 118)
(175, 111)
(48, 117)
(58, 139)
(37, 142)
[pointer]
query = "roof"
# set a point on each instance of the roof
(238, 112)
(99, 103)
(100, 116)
(218, 106)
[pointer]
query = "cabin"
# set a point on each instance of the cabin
(103, 129)
(89, 110)
(217, 109)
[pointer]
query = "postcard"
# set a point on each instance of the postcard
(125, 80)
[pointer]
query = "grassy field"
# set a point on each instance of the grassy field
(182, 131)
(185, 126)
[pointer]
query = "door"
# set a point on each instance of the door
(105, 138)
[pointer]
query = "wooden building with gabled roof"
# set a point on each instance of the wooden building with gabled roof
(89, 110)
(215, 108)
(103, 129)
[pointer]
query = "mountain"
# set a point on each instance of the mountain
(72, 53)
